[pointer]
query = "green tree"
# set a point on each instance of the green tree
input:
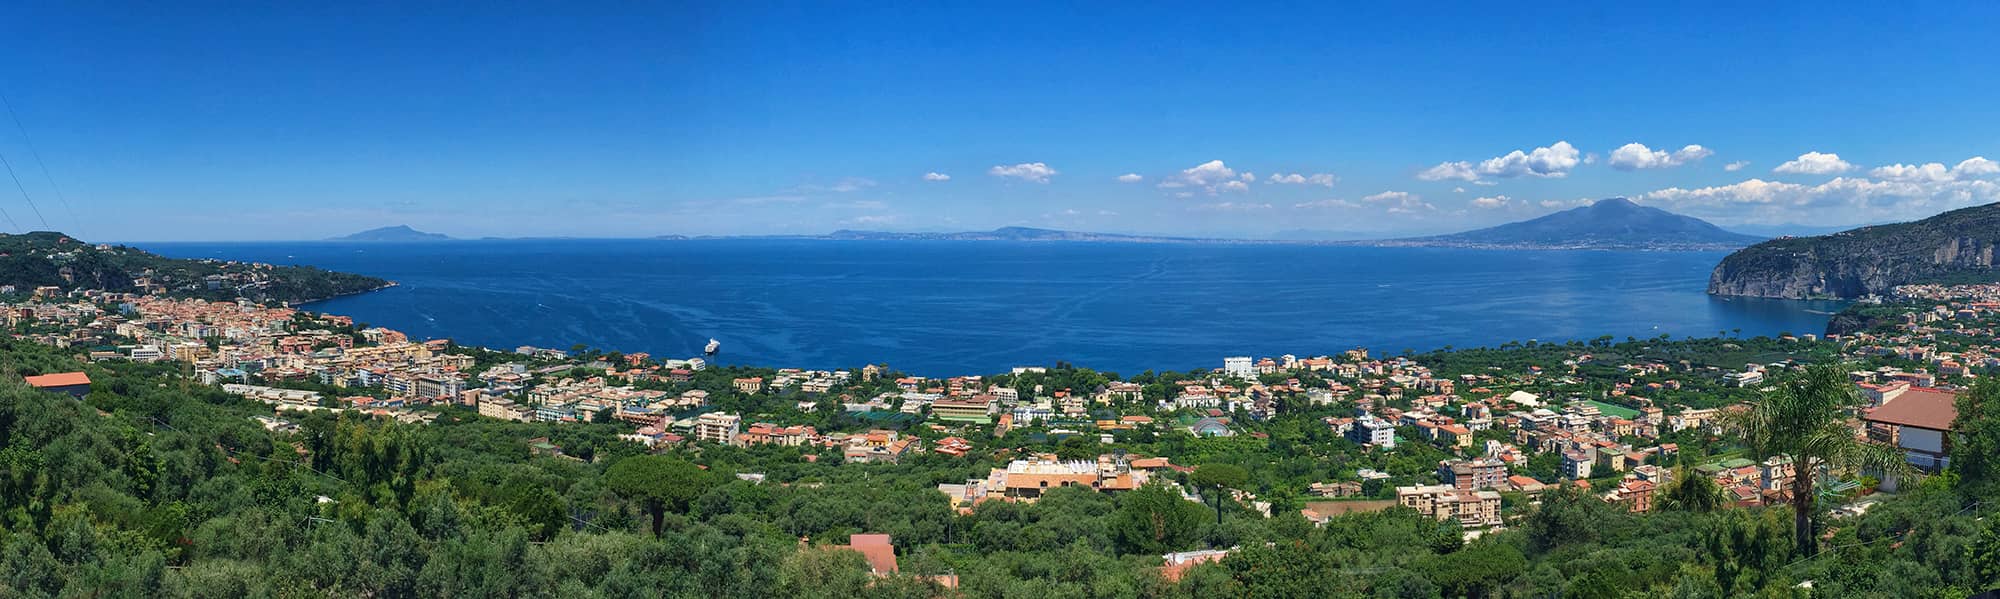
(1154, 519)
(1805, 420)
(1216, 478)
(658, 483)
(1975, 439)
(1692, 492)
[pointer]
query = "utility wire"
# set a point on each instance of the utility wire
(37, 154)
(24, 192)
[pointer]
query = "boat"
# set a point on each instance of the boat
(712, 346)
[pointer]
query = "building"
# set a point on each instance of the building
(975, 410)
(1240, 367)
(717, 427)
(1369, 430)
(1576, 464)
(1474, 474)
(1918, 421)
(1472, 509)
(73, 384)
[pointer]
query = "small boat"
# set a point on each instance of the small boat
(712, 346)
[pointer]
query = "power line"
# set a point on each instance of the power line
(24, 192)
(37, 154)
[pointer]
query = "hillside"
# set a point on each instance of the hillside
(1955, 246)
(395, 233)
(47, 258)
(1614, 223)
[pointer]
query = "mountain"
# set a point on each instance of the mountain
(1009, 234)
(395, 233)
(1000, 234)
(51, 259)
(1614, 223)
(1955, 246)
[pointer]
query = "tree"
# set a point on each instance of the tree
(1975, 439)
(1693, 492)
(1154, 519)
(658, 483)
(1805, 421)
(1216, 477)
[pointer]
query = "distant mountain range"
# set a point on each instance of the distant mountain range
(1953, 247)
(1614, 223)
(1000, 234)
(395, 233)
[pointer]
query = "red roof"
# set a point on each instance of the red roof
(1920, 407)
(876, 547)
(60, 379)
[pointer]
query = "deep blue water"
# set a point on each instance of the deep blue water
(943, 308)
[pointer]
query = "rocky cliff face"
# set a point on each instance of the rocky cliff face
(1952, 247)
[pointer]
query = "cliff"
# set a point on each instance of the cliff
(1955, 246)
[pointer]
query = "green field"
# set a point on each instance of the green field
(1615, 410)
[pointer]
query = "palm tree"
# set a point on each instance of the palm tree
(1805, 419)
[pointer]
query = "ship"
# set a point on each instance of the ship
(712, 346)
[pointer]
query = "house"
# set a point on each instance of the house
(1918, 422)
(74, 384)
(880, 552)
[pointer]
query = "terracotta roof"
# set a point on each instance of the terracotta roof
(1932, 409)
(881, 555)
(60, 379)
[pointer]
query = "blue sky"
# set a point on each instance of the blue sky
(244, 121)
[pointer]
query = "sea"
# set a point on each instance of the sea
(942, 308)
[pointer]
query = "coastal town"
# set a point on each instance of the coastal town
(1441, 434)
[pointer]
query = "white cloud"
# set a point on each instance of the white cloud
(1327, 203)
(1035, 172)
(844, 185)
(1736, 166)
(1460, 170)
(1976, 166)
(1554, 161)
(1130, 178)
(1458, 190)
(1814, 163)
(1231, 207)
(936, 176)
(1320, 179)
(1637, 156)
(1842, 200)
(871, 219)
(1491, 202)
(1399, 201)
(1971, 168)
(1212, 176)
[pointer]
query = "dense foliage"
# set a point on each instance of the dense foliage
(46, 258)
(155, 486)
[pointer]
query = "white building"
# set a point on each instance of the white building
(1240, 367)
